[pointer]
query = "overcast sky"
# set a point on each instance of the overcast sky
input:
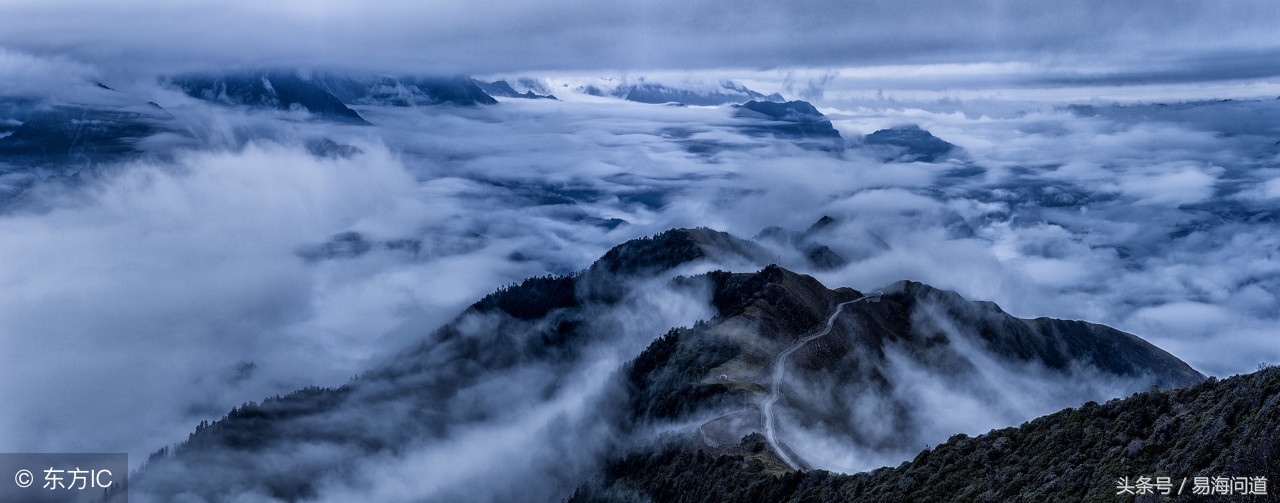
(1085, 40)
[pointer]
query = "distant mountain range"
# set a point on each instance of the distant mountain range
(281, 91)
(840, 349)
(503, 89)
(726, 93)
(58, 135)
(405, 91)
(42, 140)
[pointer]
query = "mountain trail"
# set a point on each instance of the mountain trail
(779, 370)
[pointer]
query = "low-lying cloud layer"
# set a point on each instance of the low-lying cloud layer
(231, 262)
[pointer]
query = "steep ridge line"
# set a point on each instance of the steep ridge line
(779, 369)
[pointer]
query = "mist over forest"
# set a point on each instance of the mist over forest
(366, 244)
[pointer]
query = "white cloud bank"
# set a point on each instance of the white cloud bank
(144, 298)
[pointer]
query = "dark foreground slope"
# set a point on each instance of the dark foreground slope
(1228, 428)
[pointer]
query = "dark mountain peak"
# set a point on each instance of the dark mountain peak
(291, 90)
(821, 224)
(915, 291)
(503, 89)
(539, 322)
(779, 297)
(791, 111)
(405, 91)
(72, 136)
(535, 85)
(910, 143)
(795, 120)
(758, 314)
(270, 90)
(654, 93)
(734, 86)
(649, 256)
(457, 90)
(497, 88)
(1062, 345)
(325, 147)
(873, 351)
(666, 250)
(43, 142)
(824, 258)
(606, 280)
(1112, 350)
(782, 234)
(818, 255)
(839, 349)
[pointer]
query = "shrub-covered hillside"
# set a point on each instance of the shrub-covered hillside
(1228, 429)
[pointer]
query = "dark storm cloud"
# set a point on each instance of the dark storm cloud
(1195, 66)
(1156, 37)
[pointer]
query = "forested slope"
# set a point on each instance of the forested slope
(1216, 429)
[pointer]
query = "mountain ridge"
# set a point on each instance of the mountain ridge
(1093, 452)
(544, 326)
(273, 90)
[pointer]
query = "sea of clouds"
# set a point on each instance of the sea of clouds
(139, 298)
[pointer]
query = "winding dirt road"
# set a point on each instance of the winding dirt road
(779, 370)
